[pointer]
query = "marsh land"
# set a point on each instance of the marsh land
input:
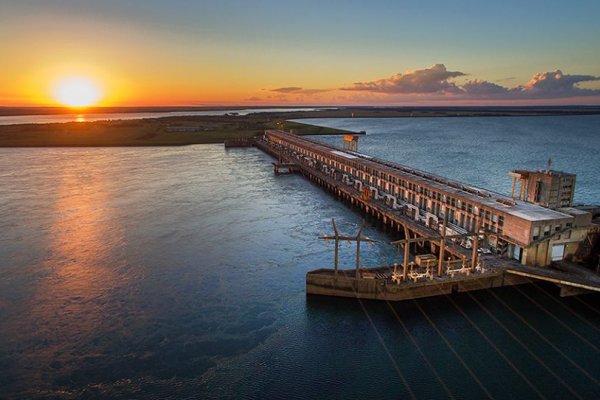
(185, 130)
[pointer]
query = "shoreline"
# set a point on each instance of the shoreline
(6, 111)
(188, 130)
(166, 131)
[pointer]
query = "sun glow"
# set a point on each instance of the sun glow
(77, 92)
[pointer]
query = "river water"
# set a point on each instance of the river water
(178, 272)
(481, 151)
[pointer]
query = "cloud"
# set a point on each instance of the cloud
(423, 81)
(290, 89)
(299, 90)
(556, 84)
(479, 88)
(253, 98)
(436, 81)
(543, 85)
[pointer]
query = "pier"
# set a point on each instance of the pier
(443, 223)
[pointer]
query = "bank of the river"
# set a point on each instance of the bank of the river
(170, 131)
(198, 129)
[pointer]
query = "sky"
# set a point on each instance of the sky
(303, 52)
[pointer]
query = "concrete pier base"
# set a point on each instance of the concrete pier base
(324, 282)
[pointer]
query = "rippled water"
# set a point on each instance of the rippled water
(179, 273)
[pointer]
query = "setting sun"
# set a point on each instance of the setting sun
(77, 92)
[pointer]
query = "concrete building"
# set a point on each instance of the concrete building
(532, 234)
(551, 189)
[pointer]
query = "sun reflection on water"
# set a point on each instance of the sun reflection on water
(71, 303)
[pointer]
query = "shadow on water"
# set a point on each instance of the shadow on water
(525, 334)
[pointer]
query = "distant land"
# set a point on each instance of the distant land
(363, 110)
(186, 130)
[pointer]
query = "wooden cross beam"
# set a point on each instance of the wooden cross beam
(357, 238)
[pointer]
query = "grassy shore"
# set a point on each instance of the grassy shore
(174, 131)
(170, 131)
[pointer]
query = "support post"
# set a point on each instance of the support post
(358, 259)
(474, 255)
(406, 253)
(514, 186)
(337, 246)
(522, 189)
(442, 246)
(358, 240)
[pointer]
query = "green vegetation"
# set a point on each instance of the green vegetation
(175, 131)
(169, 131)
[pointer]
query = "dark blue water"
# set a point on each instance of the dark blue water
(179, 273)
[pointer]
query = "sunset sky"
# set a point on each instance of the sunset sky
(185, 52)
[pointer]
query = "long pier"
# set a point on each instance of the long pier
(456, 269)
(394, 219)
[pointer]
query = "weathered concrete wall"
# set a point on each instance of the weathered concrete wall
(318, 283)
(370, 289)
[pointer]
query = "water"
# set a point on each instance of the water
(481, 151)
(82, 117)
(179, 273)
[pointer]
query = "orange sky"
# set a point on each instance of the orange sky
(273, 53)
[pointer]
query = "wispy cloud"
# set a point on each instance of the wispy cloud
(299, 90)
(435, 79)
(289, 89)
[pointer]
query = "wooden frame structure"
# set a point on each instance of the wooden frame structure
(336, 237)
